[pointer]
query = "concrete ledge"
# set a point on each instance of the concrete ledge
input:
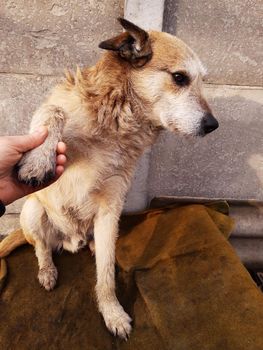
(9, 223)
(249, 251)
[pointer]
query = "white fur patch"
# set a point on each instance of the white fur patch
(179, 110)
(195, 67)
(182, 113)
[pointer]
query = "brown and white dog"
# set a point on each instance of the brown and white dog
(107, 115)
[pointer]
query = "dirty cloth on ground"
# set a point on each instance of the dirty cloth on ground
(177, 276)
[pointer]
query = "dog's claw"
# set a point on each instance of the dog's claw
(122, 333)
(117, 320)
(48, 277)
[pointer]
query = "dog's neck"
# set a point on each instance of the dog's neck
(113, 104)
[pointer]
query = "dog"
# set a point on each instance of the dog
(107, 115)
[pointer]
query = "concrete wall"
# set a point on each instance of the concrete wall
(43, 37)
(226, 34)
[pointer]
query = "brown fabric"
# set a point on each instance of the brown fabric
(177, 276)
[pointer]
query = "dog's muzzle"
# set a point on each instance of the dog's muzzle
(208, 124)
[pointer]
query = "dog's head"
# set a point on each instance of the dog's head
(168, 76)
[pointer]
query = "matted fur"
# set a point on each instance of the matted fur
(107, 115)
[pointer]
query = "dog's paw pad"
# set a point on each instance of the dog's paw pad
(47, 277)
(118, 322)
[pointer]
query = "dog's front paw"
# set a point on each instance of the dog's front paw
(37, 166)
(117, 320)
(47, 277)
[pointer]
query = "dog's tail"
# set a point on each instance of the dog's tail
(10, 242)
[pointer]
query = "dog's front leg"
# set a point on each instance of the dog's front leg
(47, 274)
(105, 234)
(38, 165)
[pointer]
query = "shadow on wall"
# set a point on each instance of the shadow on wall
(224, 164)
(170, 16)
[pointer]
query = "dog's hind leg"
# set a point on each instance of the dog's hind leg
(38, 165)
(40, 233)
(105, 234)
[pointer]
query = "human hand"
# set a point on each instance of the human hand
(11, 151)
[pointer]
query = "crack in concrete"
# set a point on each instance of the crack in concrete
(207, 84)
(31, 74)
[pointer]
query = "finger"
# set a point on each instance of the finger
(61, 147)
(24, 143)
(59, 170)
(61, 159)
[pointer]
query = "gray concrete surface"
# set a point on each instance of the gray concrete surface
(9, 223)
(145, 13)
(225, 164)
(44, 37)
(20, 95)
(227, 35)
(250, 251)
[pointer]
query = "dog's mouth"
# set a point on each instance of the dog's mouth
(199, 133)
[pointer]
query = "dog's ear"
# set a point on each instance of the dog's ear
(133, 45)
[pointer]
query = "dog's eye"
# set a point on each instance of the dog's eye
(181, 79)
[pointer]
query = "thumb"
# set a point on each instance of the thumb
(25, 143)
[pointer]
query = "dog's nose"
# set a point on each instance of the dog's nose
(209, 123)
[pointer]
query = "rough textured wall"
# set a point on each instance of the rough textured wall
(43, 37)
(226, 34)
